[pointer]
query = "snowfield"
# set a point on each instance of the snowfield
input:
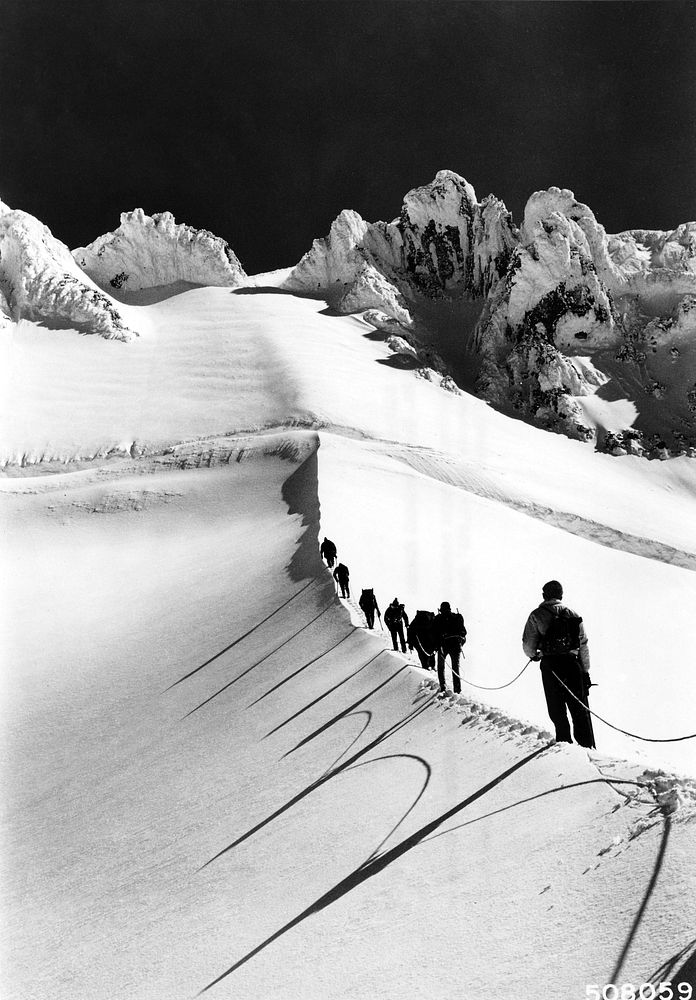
(217, 782)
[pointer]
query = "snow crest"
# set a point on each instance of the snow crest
(147, 251)
(40, 281)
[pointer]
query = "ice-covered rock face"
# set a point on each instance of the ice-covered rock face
(443, 242)
(39, 280)
(148, 251)
(550, 296)
(333, 263)
(625, 301)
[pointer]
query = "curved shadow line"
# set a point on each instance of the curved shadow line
(428, 773)
(666, 969)
(371, 868)
(303, 667)
(646, 899)
(353, 715)
(539, 795)
(227, 648)
(318, 783)
(346, 711)
(321, 696)
(258, 662)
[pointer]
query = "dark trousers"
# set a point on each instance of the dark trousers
(369, 617)
(453, 649)
(345, 589)
(559, 702)
(398, 630)
(427, 659)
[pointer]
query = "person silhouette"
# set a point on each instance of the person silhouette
(341, 575)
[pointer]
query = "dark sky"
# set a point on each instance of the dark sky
(261, 120)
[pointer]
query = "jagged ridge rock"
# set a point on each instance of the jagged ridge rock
(39, 280)
(148, 251)
(552, 294)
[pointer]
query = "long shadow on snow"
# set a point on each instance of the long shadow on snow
(266, 657)
(346, 711)
(390, 731)
(304, 666)
(316, 701)
(686, 973)
(236, 641)
(690, 965)
(374, 866)
(644, 903)
(300, 491)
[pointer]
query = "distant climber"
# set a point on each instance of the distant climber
(421, 637)
(328, 551)
(368, 605)
(450, 636)
(394, 618)
(341, 576)
(555, 634)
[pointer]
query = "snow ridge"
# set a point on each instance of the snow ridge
(39, 280)
(147, 251)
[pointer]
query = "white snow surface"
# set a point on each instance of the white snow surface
(214, 779)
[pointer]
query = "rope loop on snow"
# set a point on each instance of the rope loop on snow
(500, 687)
(646, 739)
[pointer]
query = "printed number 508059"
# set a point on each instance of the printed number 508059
(646, 991)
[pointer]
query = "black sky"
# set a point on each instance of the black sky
(261, 120)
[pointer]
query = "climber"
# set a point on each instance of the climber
(421, 637)
(328, 551)
(450, 636)
(341, 575)
(394, 618)
(555, 635)
(368, 605)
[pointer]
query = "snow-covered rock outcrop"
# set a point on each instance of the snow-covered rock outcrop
(39, 280)
(625, 301)
(544, 300)
(147, 251)
(444, 242)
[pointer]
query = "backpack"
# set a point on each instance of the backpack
(391, 616)
(458, 625)
(367, 599)
(563, 634)
(452, 626)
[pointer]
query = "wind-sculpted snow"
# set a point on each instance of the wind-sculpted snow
(147, 251)
(557, 290)
(40, 281)
(442, 242)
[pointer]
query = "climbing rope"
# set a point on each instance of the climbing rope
(646, 739)
(500, 687)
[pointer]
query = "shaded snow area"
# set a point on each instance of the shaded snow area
(217, 782)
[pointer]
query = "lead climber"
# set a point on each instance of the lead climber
(328, 551)
(555, 635)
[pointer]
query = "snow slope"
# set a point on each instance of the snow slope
(228, 789)
(155, 545)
